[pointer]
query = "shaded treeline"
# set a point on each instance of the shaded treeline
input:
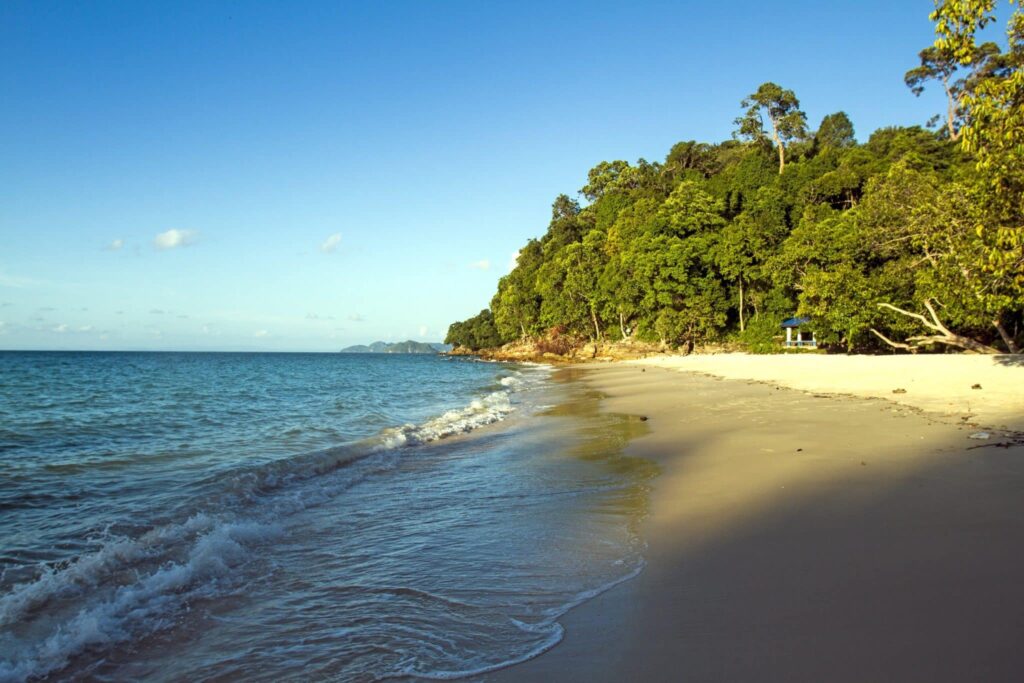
(911, 239)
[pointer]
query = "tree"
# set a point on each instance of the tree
(835, 132)
(782, 108)
(940, 64)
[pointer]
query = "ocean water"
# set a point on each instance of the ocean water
(177, 516)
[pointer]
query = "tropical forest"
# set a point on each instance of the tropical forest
(912, 239)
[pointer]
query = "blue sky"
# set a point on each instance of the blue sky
(303, 176)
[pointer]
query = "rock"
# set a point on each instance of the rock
(980, 435)
(976, 386)
(899, 391)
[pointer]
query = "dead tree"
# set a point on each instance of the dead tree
(943, 335)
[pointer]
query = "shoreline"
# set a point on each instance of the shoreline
(804, 537)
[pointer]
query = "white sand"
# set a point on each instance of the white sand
(935, 383)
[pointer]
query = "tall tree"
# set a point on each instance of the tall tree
(782, 108)
(835, 132)
(940, 64)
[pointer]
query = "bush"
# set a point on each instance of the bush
(761, 334)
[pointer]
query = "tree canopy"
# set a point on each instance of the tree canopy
(911, 239)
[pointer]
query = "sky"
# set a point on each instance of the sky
(301, 176)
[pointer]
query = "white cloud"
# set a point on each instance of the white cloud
(357, 318)
(260, 333)
(157, 311)
(483, 264)
(174, 238)
(117, 244)
(513, 261)
(423, 330)
(331, 243)
(60, 329)
(85, 328)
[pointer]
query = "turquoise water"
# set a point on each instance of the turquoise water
(296, 516)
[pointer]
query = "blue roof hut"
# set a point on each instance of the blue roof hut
(798, 325)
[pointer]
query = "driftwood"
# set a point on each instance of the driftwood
(943, 334)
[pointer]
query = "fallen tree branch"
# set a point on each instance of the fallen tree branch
(945, 336)
(890, 342)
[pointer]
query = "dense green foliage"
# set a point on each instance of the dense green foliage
(913, 235)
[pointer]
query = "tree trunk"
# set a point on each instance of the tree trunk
(1007, 339)
(778, 143)
(954, 135)
(622, 326)
(741, 305)
(597, 328)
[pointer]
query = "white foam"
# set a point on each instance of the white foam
(484, 411)
(148, 605)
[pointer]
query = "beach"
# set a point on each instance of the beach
(813, 534)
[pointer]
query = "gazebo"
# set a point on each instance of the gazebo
(799, 343)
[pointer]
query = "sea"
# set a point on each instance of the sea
(272, 517)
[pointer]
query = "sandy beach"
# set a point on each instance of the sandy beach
(822, 534)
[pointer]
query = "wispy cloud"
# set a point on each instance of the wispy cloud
(316, 316)
(85, 328)
(260, 333)
(116, 244)
(423, 330)
(157, 311)
(60, 329)
(356, 318)
(483, 264)
(174, 238)
(331, 243)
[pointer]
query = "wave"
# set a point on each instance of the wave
(131, 587)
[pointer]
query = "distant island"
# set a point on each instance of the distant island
(408, 346)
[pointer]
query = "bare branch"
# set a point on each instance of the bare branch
(890, 342)
(935, 318)
(946, 336)
(916, 316)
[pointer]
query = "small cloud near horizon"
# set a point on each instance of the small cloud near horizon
(156, 311)
(423, 330)
(174, 238)
(260, 333)
(331, 243)
(116, 244)
(483, 264)
(356, 318)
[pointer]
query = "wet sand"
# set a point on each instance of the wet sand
(803, 537)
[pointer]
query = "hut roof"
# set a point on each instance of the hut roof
(795, 322)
